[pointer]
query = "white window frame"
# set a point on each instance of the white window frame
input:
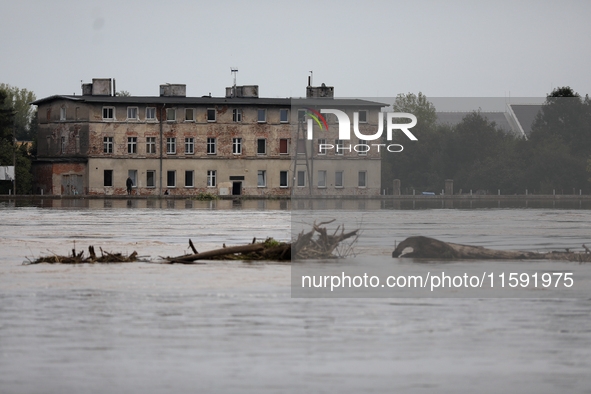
(132, 109)
(264, 152)
(150, 145)
(189, 145)
(151, 111)
(192, 186)
(360, 152)
(153, 172)
(171, 145)
(339, 144)
(281, 112)
(364, 179)
(168, 185)
(211, 178)
(321, 151)
(342, 184)
(211, 145)
(259, 112)
(192, 118)
(211, 111)
(286, 179)
(131, 145)
(173, 112)
(237, 146)
(62, 113)
(303, 184)
(112, 110)
(261, 178)
(108, 146)
(321, 185)
(237, 115)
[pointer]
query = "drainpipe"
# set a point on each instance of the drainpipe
(161, 143)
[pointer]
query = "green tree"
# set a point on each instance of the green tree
(18, 100)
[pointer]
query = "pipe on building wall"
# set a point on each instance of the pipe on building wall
(161, 137)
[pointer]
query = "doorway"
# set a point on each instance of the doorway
(236, 188)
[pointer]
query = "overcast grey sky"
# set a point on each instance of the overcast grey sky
(370, 48)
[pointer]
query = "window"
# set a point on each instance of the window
(210, 146)
(283, 179)
(262, 178)
(236, 115)
(283, 116)
(108, 145)
(62, 113)
(284, 146)
(170, 145)
(131, 113)
(339, 147)
(301, 178)
(301, 115)
(133, 175)
(321, 178)
(301, 147)
(362, 116)
(150, 113)
(170, 114)
(211, 115)
(338, 179)
(211, 178)
(362, 179)
(237, 146)
(131, 144)
(189, 146)
(189, 115)
(189, 179)
(150, 144)
(321, 146)
(261, 146)
(171, 178)
(108, 178)
(108, 113)
(262, 115)
(362, 148)
(150, 178)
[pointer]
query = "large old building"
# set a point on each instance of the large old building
(178, 145)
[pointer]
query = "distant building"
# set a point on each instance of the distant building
(232, 145)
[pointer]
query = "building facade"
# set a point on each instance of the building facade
(239, 144)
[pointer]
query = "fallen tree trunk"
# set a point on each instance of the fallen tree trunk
(425, 247)
(220, 252)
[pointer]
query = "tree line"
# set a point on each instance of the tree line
(480, 156)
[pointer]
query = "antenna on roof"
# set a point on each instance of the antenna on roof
(310, 82)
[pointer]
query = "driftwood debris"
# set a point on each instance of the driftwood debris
(425, 247)
(306, 247)
(78, 258)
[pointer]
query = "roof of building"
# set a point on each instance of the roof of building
(526, 115)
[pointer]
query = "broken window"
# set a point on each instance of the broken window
(108, 145)
(237, 115)
(211, 178)
(261, 146)
(262, 178)
(211, 148)
(170, 145)
(131, 145)
(237, 146)
(150, 144)
(189, 146)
